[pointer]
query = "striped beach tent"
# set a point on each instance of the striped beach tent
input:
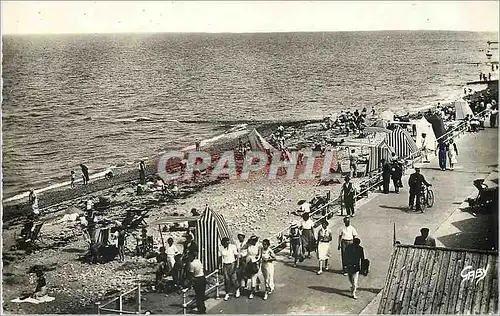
(402, 142)
(377, 153)
(210, 229)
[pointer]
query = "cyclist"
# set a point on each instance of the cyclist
(415, 182)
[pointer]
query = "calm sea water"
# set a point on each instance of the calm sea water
(71, 99)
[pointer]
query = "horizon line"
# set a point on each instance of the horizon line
(253, 32)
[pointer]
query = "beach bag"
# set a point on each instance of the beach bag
(365, 267)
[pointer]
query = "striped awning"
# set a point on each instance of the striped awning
(402, 142)
(210, 229)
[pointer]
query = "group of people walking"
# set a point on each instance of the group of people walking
(243, 263)
(303, 241)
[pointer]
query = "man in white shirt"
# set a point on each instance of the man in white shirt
(346, 235)
(229, 256)
(305, 207)
(241, 247)
(195, 269)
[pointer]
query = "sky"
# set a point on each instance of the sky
(49, 17)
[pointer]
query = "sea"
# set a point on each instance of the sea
(113, 99)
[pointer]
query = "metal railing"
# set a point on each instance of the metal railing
(99, 308)
(216, 286)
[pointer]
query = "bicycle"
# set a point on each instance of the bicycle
(426, 197)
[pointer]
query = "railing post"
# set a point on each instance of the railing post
(97, 308)
(217, 284)
(184, 302)
(139, 303)
(120, 301)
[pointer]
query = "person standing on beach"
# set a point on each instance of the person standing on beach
(442, 154)
(354, 256)
(121, 243)
(33, 202)
(73, 179)
(424, 148)
(353, 163)
(323, 248)
(85, 174)
(171, 251)
(347, 196)
(452, 153)
(197, 145)
(373, 111)
(397, 174)
(142, 173)
(346, 235)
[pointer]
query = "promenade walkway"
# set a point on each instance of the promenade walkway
(300, 290)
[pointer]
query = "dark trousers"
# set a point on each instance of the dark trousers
(385, 183)
(442, 159)
(413, 195)
(199, 286)
(397, 183)
(349, 205)
(343, 245)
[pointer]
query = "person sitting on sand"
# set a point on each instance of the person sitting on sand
(109, 175)
(162, 268)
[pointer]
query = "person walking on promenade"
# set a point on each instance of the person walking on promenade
(347, 196)
(85, 174)
(268, 258)
(199, 282)
(254, 253)
(241, 246)
(296, 244)
(452, 153)
(346, 235)
(307, 226)
(324, 238)
(229, 256)
(397, 174)
(386, 175)
(424, 239)
(354, 256)
(415, 183)
(424, 148)
(142, 172)
(442, 154)
(353, 163)
(73, 179)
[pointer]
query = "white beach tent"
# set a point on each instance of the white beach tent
(462, 108)
(387, 115)
(424, 127)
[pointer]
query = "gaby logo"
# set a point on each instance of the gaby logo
(177, 165)
(469, 274)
